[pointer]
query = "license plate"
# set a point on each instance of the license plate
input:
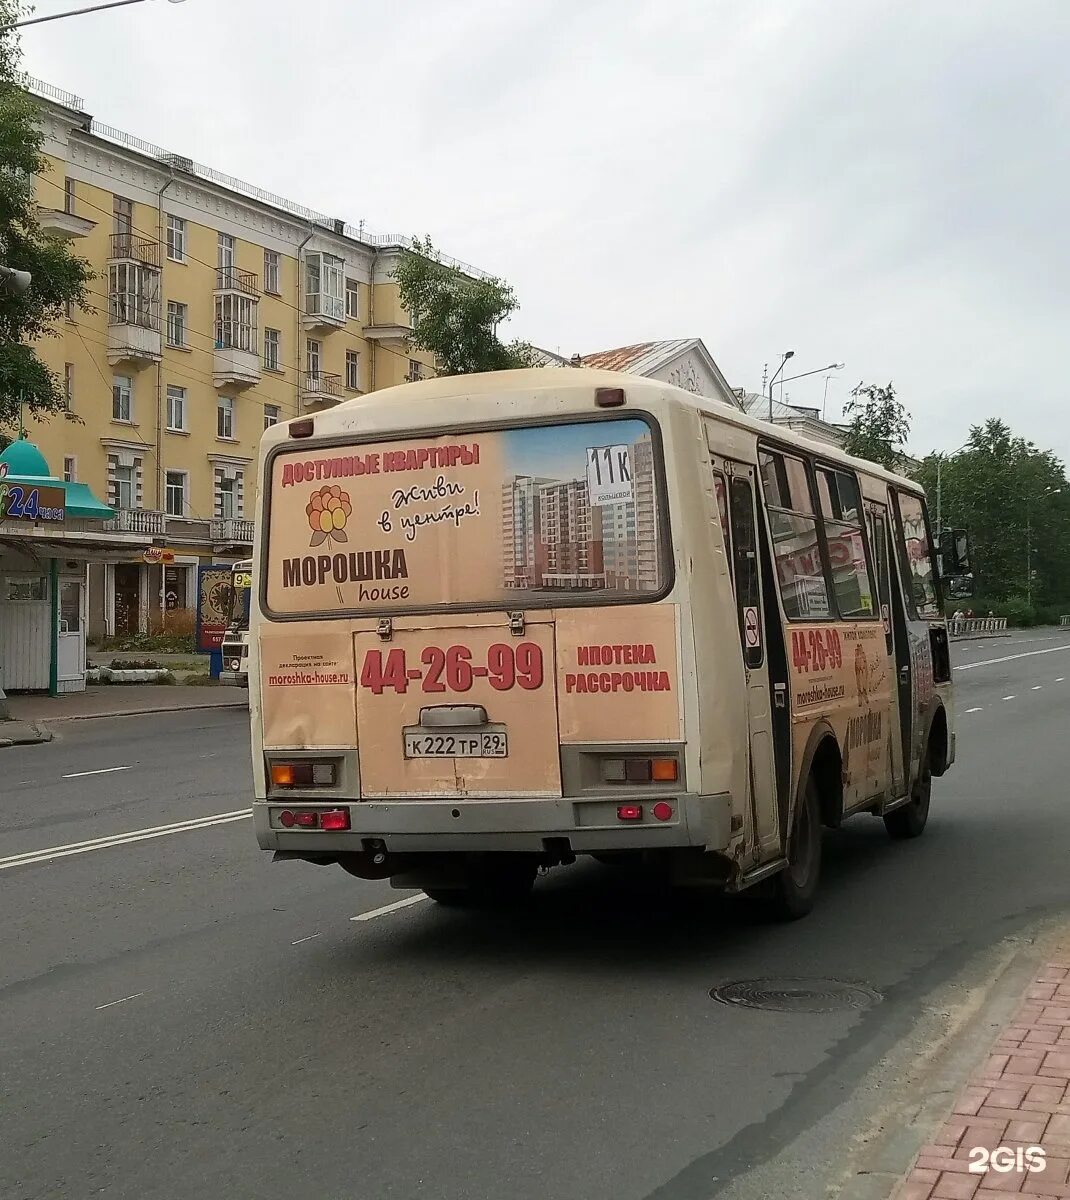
(479, 744)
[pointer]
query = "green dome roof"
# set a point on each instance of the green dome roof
(24, 459)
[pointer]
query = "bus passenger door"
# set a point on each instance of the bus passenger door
(877, 520)
(747, 575)
(903, 663)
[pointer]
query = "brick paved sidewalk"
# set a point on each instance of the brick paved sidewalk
(1019, 1098)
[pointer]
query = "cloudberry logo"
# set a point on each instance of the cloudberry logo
(328, 511)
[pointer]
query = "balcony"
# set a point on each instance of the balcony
(319, 391)
(323, 311)
(397, 332)
(134, 328)
(232, 531)
(233, 279)
(131, 247)
(137, 520)
(235, 365)
(64, 224)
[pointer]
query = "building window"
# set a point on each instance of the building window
(271, 415)
(68, 309)
(122, 398)
(224, 425)
(313, 358)
(324, 285)
(352, 371)
(225, 252)
(122, 487)
(226, 499)
(175, 492)
(352, 299)
(272, 339)
(271, 272)
(176, 323)
(122, 216)
(68, 195)
(70, 470)
(176, 238)
(134, 295)
(235, 323)
(68, 386)
(176, 408)
(416, 370)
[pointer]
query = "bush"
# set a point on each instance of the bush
(1019, 612)
(134, 664)
(160, 643)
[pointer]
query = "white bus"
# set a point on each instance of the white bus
(500, 621)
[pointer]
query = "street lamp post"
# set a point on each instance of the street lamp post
(75, 12)
(783, 363)
(1048, 491)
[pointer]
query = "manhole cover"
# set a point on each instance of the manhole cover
(795, 995)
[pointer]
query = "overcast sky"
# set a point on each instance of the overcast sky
(885, 184)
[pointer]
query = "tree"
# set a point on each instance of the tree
(58, 276)
(456, 317)
(1014, 500)
(880, 425)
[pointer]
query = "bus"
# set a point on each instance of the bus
(505, 620)
(235, 647)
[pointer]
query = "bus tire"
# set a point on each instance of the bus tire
(910, 820)
(489, 885)
(795, 887)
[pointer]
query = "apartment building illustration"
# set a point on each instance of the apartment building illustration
(554, 539)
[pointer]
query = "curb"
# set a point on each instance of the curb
(148, 712)
(35, 735)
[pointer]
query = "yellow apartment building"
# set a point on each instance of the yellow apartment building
(217, 310)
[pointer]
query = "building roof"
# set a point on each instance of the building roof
(798, 417)
(640, 359)
(181, 163)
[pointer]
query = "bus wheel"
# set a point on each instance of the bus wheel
(909, 821)
(489, 885)
(795, 887)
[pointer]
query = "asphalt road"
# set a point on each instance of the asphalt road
(179, 1017)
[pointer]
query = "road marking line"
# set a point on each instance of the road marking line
(306, 939)
(969, 710)
(1059, 680)
(1037, 687)
(102, 1007)
(1009, 697)
(31, 857)
(102, 771)
(989, 662)
(389, 908)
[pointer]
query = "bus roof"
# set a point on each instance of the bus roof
(504, 395)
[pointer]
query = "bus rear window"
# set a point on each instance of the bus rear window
(538, 516)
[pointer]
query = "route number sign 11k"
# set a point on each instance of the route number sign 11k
(609, 474)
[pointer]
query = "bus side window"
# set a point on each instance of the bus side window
(878, 540)
(841, 506)
(804, 588)
(748, 595)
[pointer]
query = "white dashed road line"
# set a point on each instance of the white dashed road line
(970, 710)
(33, 857)
(102, 771)
(389, 908)
(1009, 697)
(306, 939)
(112, 1003)
(989, 662)
(1036, 687)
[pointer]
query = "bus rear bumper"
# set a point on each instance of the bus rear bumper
(464, 826)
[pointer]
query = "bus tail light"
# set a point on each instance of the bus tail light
(629, 812)
(301, 428)
(303, 774)
(640, 770)
(334, 818)
(662, 811)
